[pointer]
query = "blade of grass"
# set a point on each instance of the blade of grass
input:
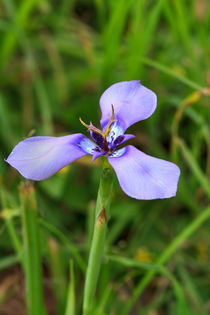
(9, 262)
(20, 17)
(166, 255)
(73, 249)
(172, 73)
(199, 175)
(18, 33)
(70, 305)
(44, 104)
(32, 256)
(128, 262)
(101, 12)
(66, 7)
(190, 100)
(156, 268)
(168, 12)
(58, 274)
(195, 297)
(7, 215)
(182, 14)
(9, 138)
(112, 35)
(15, 239)
(103, 300)
(183, 26)
(139, 40)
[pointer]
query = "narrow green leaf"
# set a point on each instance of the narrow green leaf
(8, 261)
(73, 250)
(194, 166)
(32, 256)
(70, 305)
(167, 253)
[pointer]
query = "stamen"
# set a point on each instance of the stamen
(92, 128)
(83, 123)
(107, 130)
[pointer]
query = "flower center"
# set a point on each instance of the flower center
(100, 136)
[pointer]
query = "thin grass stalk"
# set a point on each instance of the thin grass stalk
(70, 246)
(195, 167)
(58, 274)
(70, 305)
(15, 240)
(8, 262)
(7, 215)
(32, 256)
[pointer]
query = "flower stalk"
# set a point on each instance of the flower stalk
(97, 245)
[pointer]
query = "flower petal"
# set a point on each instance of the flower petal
(96, 154)
(121, 139)
(38, 158)
(144, 177)
(132, 102)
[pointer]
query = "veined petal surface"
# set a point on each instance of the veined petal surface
(38, 158)
(132, 102)
(144, 177)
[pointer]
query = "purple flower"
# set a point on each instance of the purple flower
(140, 175)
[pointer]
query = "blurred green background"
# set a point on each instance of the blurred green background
(56, 58)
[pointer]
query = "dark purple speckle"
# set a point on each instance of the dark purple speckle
(118, 140)
(98, 139)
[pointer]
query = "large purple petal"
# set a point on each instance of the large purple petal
(38, 158)
(132, 102)
(144, 177)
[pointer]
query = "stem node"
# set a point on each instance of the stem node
(101, 220)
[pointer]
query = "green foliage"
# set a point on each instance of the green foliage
(56, 58)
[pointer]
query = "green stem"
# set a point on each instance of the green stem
(32, 257)
(97, 246)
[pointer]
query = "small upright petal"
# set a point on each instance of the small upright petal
(96, 154)
(132, 102)
(144, 177)
(38, 158)
(121, 139)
